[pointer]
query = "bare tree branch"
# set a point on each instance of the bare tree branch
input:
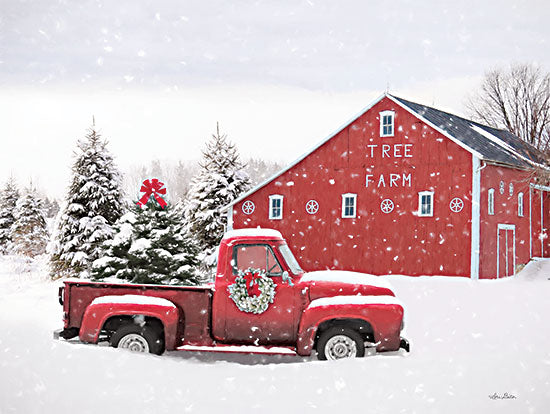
(516, 99)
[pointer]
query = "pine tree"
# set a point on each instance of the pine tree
(93, 204)
(29, 234)
(220, 180)
(8, 200)
(150, 246)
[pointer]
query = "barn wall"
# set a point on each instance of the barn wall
(399, 242)
(506, 213)
(540, 227)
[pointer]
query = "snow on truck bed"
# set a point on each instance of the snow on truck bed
(342, 276)
(133, 299)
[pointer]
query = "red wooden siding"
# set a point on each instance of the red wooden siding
(399, 242)
(506, 213)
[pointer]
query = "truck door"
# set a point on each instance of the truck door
(275, 325)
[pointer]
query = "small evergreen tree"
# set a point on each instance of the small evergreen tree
(29, 234)
(150, 246)
(220, 180)
(93, 204)
(8, 200)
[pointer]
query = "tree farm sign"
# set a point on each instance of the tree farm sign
(390, 151)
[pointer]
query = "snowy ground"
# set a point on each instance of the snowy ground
(470, 340)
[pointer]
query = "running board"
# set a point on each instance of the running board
(242, 349)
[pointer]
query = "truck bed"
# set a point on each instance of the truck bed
(194, 303)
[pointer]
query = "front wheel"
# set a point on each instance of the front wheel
(339, 343)
(138, 338)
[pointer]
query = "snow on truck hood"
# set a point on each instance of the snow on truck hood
(342, 276)
(356, 300)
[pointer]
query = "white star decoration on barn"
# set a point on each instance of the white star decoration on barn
(312, 207)
(386, 206)
(456, 205)
(248, 207)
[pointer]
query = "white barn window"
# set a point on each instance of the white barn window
(520, 204)
(387, 123)
(275, 207)
(491, 202)
(426, 203)
(349, 205)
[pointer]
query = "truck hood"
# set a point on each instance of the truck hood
(329, 283)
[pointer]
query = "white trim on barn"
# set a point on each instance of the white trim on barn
(420, 195)
(275, 208)
(530, 222)
(229, 225)
(344, 198)
(390, 126)
(520, 204)
(541, 188)
(541, 225)
(476, 217)
(506, 227)
(491, 202)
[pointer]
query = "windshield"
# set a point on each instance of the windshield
(290, 259)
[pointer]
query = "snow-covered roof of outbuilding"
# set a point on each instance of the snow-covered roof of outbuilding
(486, 143)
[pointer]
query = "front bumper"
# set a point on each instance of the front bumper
(404, 343)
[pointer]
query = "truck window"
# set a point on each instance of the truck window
(290, 259)
(256, 256)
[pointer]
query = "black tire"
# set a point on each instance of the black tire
(154, 339)
(342, 332)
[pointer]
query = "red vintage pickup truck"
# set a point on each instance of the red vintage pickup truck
(261, 301)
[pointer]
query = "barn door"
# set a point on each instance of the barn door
(506, 250)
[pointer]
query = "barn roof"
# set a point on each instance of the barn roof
(489, 144)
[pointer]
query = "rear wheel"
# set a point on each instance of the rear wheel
(339, 343)
(138, 338)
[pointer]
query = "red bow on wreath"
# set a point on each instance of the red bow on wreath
(252, 286)
(152, 188)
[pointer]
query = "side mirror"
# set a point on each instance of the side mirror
(287, 278)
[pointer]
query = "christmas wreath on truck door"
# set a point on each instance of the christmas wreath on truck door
(252, 291)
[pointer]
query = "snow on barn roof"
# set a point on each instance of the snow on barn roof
(492, 144)
(486, 143)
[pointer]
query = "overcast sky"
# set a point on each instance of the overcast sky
(278, 75)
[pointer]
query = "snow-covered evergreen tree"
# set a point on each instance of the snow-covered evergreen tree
(93, 204)
(220, 180)
(8, 199)
(29, 234)
(150, 246)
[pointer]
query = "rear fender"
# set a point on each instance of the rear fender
(97, 314)
(385, 320)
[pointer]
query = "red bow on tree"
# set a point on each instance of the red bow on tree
(252, 286)
(152, 188)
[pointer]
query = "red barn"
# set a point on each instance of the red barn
(408, 189)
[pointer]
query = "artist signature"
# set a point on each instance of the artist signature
(504, 396)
